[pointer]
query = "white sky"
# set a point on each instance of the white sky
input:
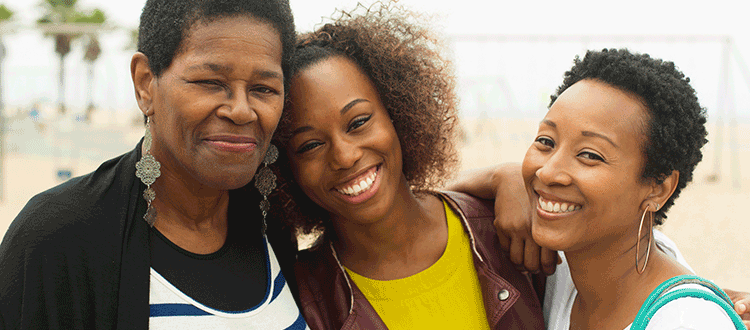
(30, 69)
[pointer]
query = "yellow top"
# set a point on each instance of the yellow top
(446, 295)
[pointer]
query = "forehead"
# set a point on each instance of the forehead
(597, 106)
(234, 37)
(329, 85)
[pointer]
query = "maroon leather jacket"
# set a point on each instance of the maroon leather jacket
(329, 299)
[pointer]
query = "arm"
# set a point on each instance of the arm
(504, 183)
(741, 304)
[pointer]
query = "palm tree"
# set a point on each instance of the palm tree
(5, 15)
(60, 12)
(93, 50)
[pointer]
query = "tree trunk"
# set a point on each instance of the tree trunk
(61, 86)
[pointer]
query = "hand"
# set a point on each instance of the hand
(513, 223)
(741, 302)
(504, 183)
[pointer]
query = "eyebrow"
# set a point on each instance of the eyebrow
(343, 110)
(601, 136)
(352, 104)
(221, 68)
(584, 133)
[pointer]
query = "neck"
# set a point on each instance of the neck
(610, 289)
(407, 239)
(190, 214)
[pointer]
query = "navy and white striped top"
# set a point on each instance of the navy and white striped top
(172, 309)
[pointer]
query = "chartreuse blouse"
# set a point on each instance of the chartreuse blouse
(446, 295)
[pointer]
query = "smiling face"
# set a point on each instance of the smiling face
(214, 109)
(583, 171)
(344, 151)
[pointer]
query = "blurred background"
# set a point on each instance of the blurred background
(67, 101)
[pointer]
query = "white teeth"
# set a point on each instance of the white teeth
(550, 206)
(358, 188)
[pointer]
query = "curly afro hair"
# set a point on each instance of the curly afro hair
(416, 85)
(676, 125)
(166, 23)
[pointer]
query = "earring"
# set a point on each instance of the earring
(650, 238)
(147, 169)
(265, 181)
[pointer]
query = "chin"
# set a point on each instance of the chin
(228, 180)
(550, 238)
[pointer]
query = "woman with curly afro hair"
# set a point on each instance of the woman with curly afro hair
(368, 131)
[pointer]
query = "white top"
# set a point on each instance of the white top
(172, 309)
(684, 313)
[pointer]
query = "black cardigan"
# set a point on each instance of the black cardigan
(77, 255)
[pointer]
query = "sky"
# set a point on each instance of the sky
(497, 79)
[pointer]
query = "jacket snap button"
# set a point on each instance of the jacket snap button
(503, 294)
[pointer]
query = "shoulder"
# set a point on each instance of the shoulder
(691, 313)
(470, 206)
(80, 207)
(317, 260)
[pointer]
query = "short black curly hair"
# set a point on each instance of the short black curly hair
(415, 83)
(676, 125)
(166, 23)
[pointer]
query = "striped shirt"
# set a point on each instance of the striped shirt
(172, 309)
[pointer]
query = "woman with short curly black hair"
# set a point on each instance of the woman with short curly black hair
(368, 130)
(620, 141)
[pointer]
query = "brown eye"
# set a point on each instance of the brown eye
(591, 155)
(545, 141)
(308, 146)
(358, 122)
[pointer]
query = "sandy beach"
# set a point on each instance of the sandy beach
(708, 221)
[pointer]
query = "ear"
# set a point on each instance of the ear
(144, 82)
(660, 192)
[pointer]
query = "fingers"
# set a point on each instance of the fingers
(531, 256)
(516, 251)
(504, 241)
(549, 260)
(741, 302)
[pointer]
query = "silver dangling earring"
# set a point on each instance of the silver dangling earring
(147, 169)
(265, 181)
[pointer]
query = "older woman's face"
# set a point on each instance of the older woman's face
(583, 171)
(216, 106)
(344, 150)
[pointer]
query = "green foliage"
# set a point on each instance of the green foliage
(67, 11)
(5, 13)
(96, 17)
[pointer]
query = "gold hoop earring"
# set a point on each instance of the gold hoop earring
(650, 239)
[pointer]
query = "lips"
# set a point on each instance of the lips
(360, 184)
(550, 204)
(558, 207)
(232, 143)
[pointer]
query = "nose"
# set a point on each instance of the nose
(238, 108)
(344, 153)
(555, 169)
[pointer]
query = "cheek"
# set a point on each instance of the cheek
(306, 175)
(531, 163)
(271, 116)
